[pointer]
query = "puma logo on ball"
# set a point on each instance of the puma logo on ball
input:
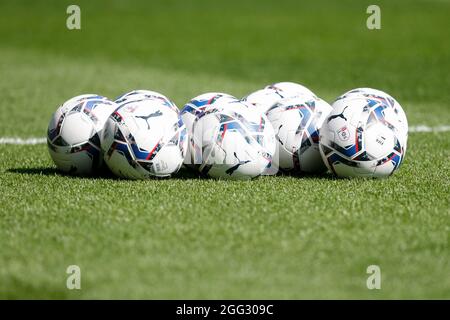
(340, 115)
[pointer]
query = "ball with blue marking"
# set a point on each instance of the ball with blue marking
(363, 137)
(74, 133)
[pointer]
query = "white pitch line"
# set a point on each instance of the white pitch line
(22, 141)
(41, 140)
(423, 128)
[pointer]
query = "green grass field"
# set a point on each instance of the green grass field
(274, 237)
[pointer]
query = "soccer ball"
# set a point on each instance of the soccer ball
(232, 141)
(74, 133)
(137, 95)
(265, 98)
(195, 107)
(291, 89)
(296, 122)
(200, 104)
(401, 122)
(144, 138)
(362, 137)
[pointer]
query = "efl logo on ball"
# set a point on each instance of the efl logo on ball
(343, 133)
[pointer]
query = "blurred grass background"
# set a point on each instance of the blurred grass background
(183, 48)
(270, 238)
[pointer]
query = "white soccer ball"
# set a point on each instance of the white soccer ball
(291, 89)
(362, 137)
(202, 103)
(74, 133)
(401, 122)
(265, 98)
(296, 123)
(143, 139)
(137, 95)
(232, 141)
(195, 107)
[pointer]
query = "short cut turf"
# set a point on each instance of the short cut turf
(185, 237)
